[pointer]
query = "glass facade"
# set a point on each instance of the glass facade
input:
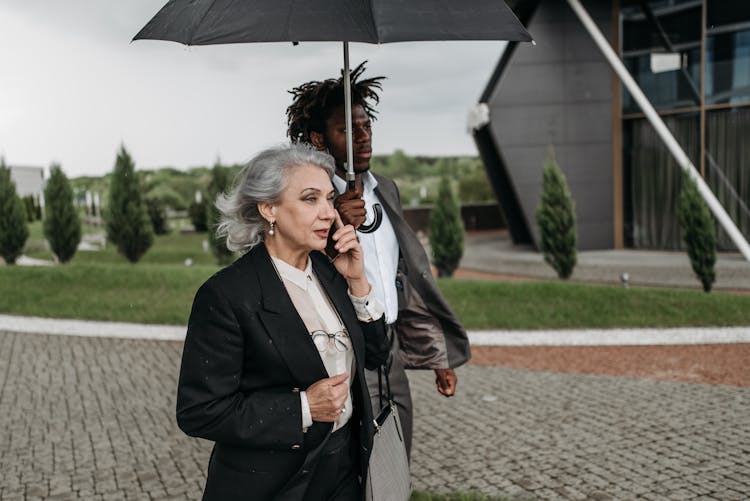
(692, 60)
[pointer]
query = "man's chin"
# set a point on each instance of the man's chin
(361, 168)
(358, 169)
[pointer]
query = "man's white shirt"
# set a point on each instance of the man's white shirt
(380, 248)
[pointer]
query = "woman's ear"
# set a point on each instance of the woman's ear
(317, 140)
(267, 211)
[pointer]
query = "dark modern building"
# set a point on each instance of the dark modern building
(692, 60)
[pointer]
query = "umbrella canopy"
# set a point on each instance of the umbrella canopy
(206, 22)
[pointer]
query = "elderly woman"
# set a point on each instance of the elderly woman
(272, 368)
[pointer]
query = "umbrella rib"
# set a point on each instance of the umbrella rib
(197, 25)
(288, 17)
(374, 24)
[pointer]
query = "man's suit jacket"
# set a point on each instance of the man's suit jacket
(430, 336)
(247, 355)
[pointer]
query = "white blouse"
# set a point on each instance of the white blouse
(325, 326)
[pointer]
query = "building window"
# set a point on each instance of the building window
(664, 45)
(728, 165)
(661, 47)
(653, 181)
(727, 52)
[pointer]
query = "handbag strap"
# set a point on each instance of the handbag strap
(388, 398)
(384, 368)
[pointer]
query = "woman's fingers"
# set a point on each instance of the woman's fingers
(347, 240)
(339, 223)
(327, 396)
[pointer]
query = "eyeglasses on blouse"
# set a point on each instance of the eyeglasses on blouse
(340, 340)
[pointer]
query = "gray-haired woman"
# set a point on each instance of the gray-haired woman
(272, 368)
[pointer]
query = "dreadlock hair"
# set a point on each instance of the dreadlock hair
(314, 101)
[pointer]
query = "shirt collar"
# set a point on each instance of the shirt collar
(300, 278)
(368, 182)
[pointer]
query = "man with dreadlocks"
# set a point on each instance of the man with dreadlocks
(424, 332)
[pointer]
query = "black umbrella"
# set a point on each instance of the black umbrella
(207, 22)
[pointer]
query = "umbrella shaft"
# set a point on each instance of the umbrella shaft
(348, 117)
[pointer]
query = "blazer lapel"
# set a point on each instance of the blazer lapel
(389, 201)
(283, 324)
(339, 299)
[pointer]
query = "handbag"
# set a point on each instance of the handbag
(388, 476)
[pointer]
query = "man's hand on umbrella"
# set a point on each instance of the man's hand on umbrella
(446, 381)
(351, 207)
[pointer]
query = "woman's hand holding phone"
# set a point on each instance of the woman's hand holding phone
(350, 259)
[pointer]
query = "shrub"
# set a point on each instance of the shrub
(446, 231)
(557, 220)
(13, 229)
(157, 214)
(219, 184)
(699, 233)
(128, 225)
(29, 205)
(62, 226)
(475, 187)
(197, 213)
(167, 196)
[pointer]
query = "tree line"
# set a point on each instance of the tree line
(137, 203)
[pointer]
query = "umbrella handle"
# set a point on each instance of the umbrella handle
(377, 213)
(369, 228)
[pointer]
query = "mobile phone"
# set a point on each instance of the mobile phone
(331, 252)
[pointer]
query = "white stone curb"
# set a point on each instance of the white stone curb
(612, 337)
(90, 328)
(561, 337)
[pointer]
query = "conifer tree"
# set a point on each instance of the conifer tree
(197, 213)
(699, 233)
(557, 220)
(13, 229)
(219, 184)
(446, 231)
(62, 226)
(157, 214)
(128, 224)
(29, 205)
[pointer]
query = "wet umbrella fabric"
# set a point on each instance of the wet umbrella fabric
(208, 22)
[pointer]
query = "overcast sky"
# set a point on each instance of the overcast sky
(73, 87)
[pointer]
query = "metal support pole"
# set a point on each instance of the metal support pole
(348, 117)
(666, 136)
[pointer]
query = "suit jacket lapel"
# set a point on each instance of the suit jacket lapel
(339, 299)
(283, 324)
(389, 200)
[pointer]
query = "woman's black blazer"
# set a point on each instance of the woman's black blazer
(247, 355)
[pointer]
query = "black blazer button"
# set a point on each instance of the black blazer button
(296, 446)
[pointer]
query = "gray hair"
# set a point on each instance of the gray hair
(262, 180)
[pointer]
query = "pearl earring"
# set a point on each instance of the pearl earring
(270, 230)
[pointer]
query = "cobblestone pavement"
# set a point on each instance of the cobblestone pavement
(92, 419)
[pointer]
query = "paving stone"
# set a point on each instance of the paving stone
(93, 419)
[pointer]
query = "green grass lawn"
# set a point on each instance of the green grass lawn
(145, 293)
(543, 305)
(102, 285)
(173, 248)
